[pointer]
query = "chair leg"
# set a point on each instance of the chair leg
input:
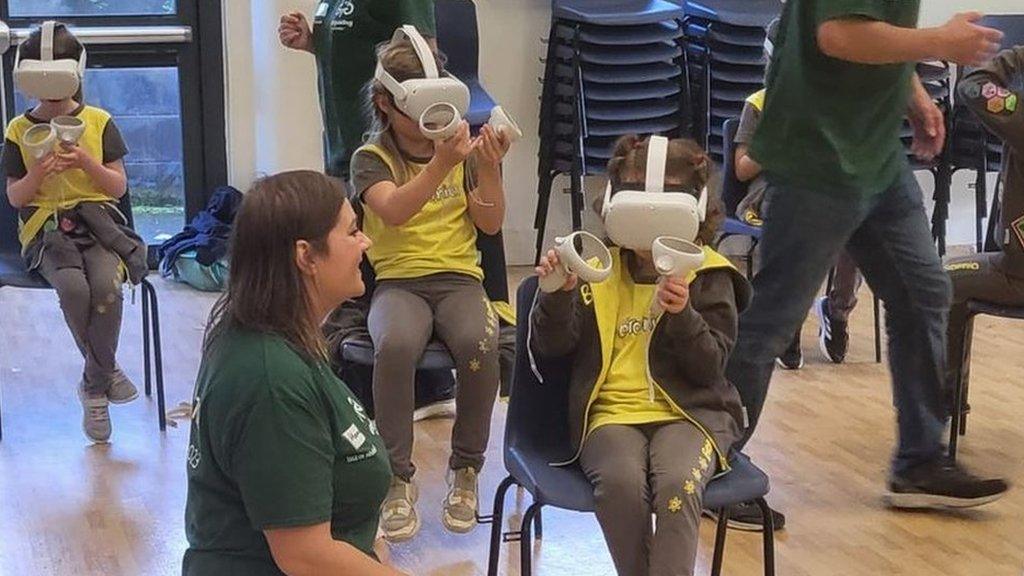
(720, 534)
(158, 362)
(543, 202)
(538, 526)
(768, 533)
(496, 519)
(526, 542)
(146, 358)
(966, 373)
(957, 422)
(878, 333)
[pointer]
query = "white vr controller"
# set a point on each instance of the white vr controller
(573, 260)
(41, 139)
(675, 258)
(503, 123)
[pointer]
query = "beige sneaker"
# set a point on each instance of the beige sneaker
(461, 504)
(398, 518)
(95, 415)
(121, 390)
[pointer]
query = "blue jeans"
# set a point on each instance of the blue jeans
(888, 236)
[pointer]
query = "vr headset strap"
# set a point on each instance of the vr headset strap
(46, 44)
(657, 157)
(423, 51)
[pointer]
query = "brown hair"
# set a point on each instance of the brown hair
(65, 47)
(266, 291)
(399, 58)
(687, 164)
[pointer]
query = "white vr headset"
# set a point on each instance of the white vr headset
(633, 219)
(47, 78)
(437, 103)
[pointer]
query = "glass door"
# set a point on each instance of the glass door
(157, 67)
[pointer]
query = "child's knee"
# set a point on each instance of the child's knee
(106, 295)
(398, 345)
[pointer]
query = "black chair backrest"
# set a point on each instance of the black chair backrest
(537, 418)
(459, 37)
(8, 227)
(733, 190)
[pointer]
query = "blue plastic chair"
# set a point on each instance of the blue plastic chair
(751, 13)
(618, 56)
(536, 434)
(458, 36)
(13, 274)
(667, 31)
(616, 12)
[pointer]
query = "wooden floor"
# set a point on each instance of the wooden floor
(68, 508)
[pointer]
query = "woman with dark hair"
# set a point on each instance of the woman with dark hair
(286, 473)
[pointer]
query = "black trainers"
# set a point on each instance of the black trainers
(792, 358)
(833, 334)
(747, 517)
(941, 484)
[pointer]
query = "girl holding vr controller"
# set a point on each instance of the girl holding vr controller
(64, 168)
(425, 187)
(651, 413)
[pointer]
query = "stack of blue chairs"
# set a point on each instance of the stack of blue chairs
(724, 61)
(613, 67)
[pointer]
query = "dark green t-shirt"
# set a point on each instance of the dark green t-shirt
(277, 441)
(829, 124)
(345, 36)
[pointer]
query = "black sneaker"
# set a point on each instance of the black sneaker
(833, 335)
(941, 484)
(747, 517)
(792, 358)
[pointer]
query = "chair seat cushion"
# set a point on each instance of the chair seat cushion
(743, 483)
(480, 103)
(359, 350)
(617, 12)
(734, 227)
(14, 274)
(559, 486)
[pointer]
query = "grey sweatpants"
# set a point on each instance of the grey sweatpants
(404, 316)
(637, 471)
(90, 296)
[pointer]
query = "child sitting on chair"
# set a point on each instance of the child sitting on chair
(423, 202)
(71, 231)
(651, 414)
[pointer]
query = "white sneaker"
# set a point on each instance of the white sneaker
(95, 415)
(462, 502)
(121, 390)
(399, 521)
(442, 409)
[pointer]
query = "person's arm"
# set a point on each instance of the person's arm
(928, 122)
(701, 337)
(294, 32)
(395, 205)
(487, 201)
(990, 93)
(746, 167)
(310, 550)
(21, 191)
(554, 319)
(110, 177)
(859, 39)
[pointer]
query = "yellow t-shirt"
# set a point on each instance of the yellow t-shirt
(441, 237)
(66, 190)
(627, 396)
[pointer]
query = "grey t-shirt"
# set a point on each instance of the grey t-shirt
(369, 169)
(749, 120)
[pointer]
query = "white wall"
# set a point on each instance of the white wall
(273, 115)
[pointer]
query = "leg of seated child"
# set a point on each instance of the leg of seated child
(106, 303)
(464, 321)
(400, 324)
(615, 460)
(682, 462)
(74, 295)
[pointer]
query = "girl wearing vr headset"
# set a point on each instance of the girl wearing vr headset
(651, 413)
(65, 173)
(426, 187)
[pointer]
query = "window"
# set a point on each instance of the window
(64, 8)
